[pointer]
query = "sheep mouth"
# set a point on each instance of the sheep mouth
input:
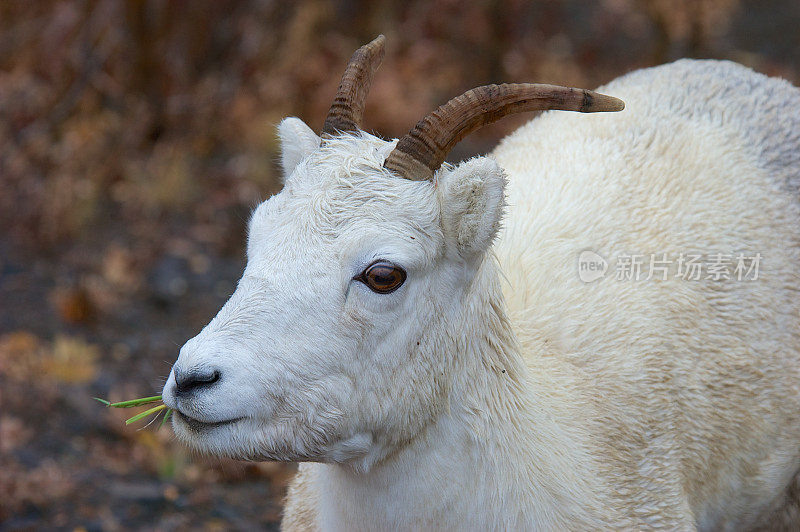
(198, 426)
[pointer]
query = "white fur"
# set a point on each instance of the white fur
(495, 390)
(298, 141)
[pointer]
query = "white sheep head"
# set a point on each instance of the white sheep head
(339, 343)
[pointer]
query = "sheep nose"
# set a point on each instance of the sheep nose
(189, 381)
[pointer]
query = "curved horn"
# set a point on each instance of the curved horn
(423, 150)
(348, 105)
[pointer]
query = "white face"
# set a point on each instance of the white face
(306, 361)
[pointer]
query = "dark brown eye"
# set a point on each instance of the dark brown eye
(382, 277)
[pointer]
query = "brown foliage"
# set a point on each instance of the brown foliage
(136, 136)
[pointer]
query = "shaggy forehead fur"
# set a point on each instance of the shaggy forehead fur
(344, 183)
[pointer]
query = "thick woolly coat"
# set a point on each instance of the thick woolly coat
(617, 403)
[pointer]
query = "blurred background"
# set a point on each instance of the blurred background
(135, 139)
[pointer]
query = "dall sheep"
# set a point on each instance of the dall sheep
(435, 369)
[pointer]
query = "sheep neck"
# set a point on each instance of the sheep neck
(491, 425)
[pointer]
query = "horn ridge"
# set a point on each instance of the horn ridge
(422, 151)
(347, 109)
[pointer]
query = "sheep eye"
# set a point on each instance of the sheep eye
(382, 277)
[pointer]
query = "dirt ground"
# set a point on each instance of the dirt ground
(136, 137)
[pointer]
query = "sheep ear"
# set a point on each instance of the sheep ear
(472, 196)
(297, 140)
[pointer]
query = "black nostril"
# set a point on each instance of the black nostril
(196, 378)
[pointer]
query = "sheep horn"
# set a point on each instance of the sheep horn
(423, 150)
(348, 105)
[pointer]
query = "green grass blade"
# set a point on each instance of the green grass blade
(144, 414)
(164, 419)
(107, 403)
(136, 402)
